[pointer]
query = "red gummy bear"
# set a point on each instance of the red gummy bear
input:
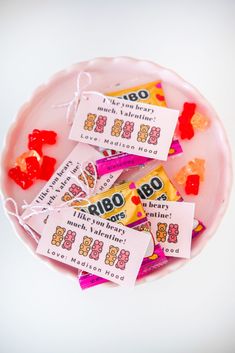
(35, 142)
(32, 167)
(192, 184)
(47, 168)
(185, 125)
(48, 137)
(32, 164)
(39, 137)
(21, 178)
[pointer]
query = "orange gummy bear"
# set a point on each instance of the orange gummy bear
(20, 161)
(199, 121)
(194, 167)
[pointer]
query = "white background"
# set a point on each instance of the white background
(191, 310)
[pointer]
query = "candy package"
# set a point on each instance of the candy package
(156, 185)
(150, 93)
(149, 264)
(119, 204)
(122, 204)
(118, 162)
(125, 160)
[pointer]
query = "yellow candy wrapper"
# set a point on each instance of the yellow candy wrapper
(149, 93)
(157, 186)
(120, 204)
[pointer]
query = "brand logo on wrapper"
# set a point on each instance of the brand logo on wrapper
(96, 245)
(156, 185)
(106, 204)
(136, 96)
(137, 128)
(146, 190)
(151, 93)
(122, 205)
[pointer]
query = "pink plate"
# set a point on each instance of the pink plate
(113, 74)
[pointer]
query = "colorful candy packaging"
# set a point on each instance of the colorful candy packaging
(149, 264)
(119, 204)
(119, 161)
(149, 93)
(122, 204)
(125, 160)
(157, 186)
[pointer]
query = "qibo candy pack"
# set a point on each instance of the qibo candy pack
(150, 93)
(122, 204)
(126, 123)
(124, 160)
(156, 185)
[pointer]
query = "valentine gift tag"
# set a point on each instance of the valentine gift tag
(95, 245)
(132, 127)
(75, 177)
(171, 225)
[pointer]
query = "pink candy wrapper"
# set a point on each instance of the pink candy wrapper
(125, 160)
(119, 161)
(149, 264)
(198, 228)
(175, 148)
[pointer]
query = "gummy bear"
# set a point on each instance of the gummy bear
(20, 161)
(37, 138)
(186, 131)
(32, 164)
(21, 178)
(35, 142)
(47, 168)
(199, 121)
(48, 137)
(32, 167)
(192, 184)
(185, 126)
(196, 166)
(181, 176)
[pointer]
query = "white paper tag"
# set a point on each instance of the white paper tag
(171, 225)
(62, 186)
(137, 128)
(95, 245)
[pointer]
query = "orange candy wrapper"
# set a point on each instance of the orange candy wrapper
(149, 93)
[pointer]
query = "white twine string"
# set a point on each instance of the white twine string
(20, 219)
(72, 105)
(43, 208)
